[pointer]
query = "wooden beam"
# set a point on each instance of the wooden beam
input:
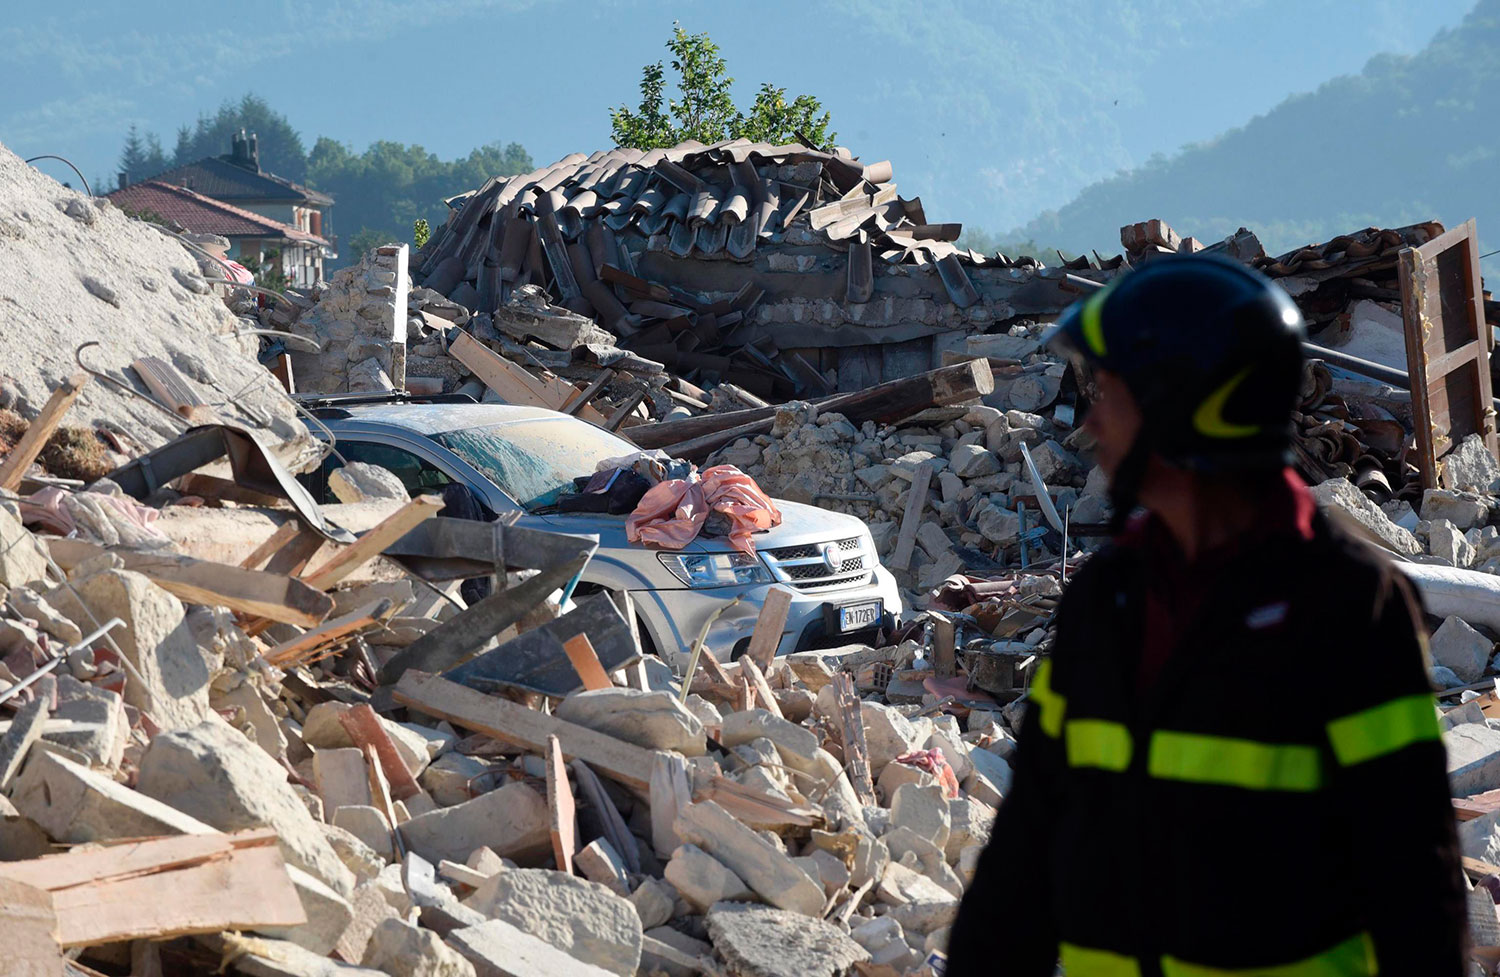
(307, 646)
(560, 808)
(268, 595)
(769, 627)
(274, 542)
(512, 382)
(911, 518)
(365, 730)
(368, 546)
(581, 653)
(575, 403)
(13, 468)
(511, 722)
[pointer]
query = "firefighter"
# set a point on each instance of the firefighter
(1230, 765)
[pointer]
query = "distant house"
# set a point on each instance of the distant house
(253, 238)
(237, 179)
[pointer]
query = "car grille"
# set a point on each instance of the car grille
(805, 568)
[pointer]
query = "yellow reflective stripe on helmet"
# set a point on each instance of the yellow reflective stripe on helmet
(1082, 961)
(1208, 419)
(1091, 319)
(1203, 759)
(1097, 743)
(1383, 729)
(1354, 957)
(1050, 706)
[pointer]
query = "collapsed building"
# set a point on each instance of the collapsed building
(251, 733)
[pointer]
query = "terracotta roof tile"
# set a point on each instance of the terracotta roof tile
(204, 215)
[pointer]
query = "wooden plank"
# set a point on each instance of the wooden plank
(13, 468)
(256, 592)
(308, 645)
(172, 390)
(852, 727)
(749, 671)
(575, 403)
(944, 650)
(514, 383)
(380, 790)
(911, 518)
(293, 558)
(213, 488)
(368, 546)
(274, 542)
(365, 730)
(769, 626)
(514, 723)
(581, 653)
(134, 857)
(759, 810)
(561, 808)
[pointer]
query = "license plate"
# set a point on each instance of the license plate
(857, 617)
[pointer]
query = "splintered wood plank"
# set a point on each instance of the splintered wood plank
(560, 807)
(369, 546)
(911, 518)
(134, 857)
(511, 722)
(306, 646)
(365, 730)
(13, 468)
(380, 790)
(750, 672)
(852, 726)
(769, 627)
(581, 653)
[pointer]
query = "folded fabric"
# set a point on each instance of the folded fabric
(672, 513)
(113, 520)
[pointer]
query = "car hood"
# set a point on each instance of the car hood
(800, 524)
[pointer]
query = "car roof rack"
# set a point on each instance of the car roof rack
(315, 402)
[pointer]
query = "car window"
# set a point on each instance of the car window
(417, 475)
(534, 461)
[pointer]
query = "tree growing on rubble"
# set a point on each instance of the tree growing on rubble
(705, 111)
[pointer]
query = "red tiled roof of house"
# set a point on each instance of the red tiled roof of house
(204, 215)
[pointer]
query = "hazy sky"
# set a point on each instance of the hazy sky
(991, 110)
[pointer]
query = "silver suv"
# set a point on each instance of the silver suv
(522, 459)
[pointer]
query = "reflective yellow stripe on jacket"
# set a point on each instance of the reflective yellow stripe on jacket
(1383, 729)
(1354, 957)
(1050, 706)
(1203, 759)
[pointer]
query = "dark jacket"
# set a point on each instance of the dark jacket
(1276, 795)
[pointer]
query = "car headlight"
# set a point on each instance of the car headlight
(715, 569)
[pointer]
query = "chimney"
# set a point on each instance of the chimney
(124, 181)
(254, 152)
(242, 151)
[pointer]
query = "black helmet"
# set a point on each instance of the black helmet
(1210, 349)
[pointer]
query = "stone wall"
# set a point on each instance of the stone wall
(360, 322)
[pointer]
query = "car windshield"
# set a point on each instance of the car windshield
(535, 460)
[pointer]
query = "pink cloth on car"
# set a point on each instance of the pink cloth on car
(672, 513)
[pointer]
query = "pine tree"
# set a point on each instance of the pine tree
(132, 157)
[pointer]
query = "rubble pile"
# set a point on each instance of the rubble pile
(765, 821)
(85, 285)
